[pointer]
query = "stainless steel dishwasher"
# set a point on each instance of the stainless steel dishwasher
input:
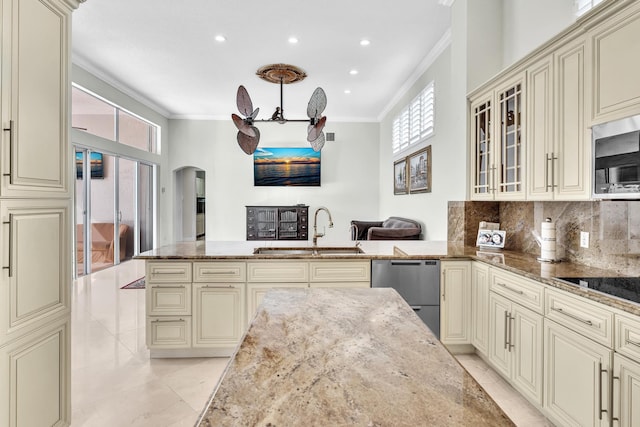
(417, 281)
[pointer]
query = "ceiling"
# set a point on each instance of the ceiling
(164, 52)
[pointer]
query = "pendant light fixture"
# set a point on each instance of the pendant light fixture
(249, 135)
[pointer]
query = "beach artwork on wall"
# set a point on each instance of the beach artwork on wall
(273, 167)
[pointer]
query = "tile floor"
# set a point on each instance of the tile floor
(114, 383)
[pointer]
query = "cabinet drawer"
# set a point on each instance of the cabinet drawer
(340, 271)
(169, 299)
(585, 317)
(627, 341)
(343, 284)
(275, 271)
(169, 332)
(219, 272)
(525, 292)
(168, 272)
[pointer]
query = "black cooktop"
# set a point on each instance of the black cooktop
(622, 287)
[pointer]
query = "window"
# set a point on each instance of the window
(99, 117)
(583, 6)
(415, 123)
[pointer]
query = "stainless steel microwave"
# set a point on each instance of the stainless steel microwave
(616, 159)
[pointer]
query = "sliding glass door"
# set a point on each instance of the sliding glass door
(115, 196)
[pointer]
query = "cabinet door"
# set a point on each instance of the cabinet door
(480, 307)
(526, 369)
(509, 143)
(35, 260)
(540, 130)
(455, 302)
(616, 61)
(218, 314)
(328, 272)
(500, 325)
(626, 404)
(482, 186)
(572, 149)
(35, 96)
(35, 386)
(576, 376)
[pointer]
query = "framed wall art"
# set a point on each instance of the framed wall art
(400, 176)
(419, 164)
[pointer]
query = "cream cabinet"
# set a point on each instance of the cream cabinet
(577, 373)
(257, 291)
(558, 147)
(36, 160)
(35, 206)
(340, 274)
(515, 345)
(218, 314)
(480, 306)
(626, 391)
(616, 87)
(497, 131)
(455, 302)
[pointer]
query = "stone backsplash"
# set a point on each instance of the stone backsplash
(613, 227)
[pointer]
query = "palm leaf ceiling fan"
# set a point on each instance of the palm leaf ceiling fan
(249, 135)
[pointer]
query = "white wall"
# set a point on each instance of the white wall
(349, 173)
(528, 24)
(448, 162)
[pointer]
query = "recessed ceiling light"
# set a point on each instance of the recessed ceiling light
(347, 91)
(364, 42)
(293, 40)
(220, 38)
(353, 72)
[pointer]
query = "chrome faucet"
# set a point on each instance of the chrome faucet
(315, 224)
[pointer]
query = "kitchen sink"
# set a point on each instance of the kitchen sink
(311, 250)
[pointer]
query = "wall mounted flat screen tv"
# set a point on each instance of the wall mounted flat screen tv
(273, 167)
(96, 165)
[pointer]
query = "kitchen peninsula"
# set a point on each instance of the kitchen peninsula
(345, 357)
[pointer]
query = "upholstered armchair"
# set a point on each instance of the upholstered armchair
(393, 228)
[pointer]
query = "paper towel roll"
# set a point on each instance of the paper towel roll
(548, 243)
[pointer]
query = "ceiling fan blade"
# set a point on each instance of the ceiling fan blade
(318, 143)
(315, 130)
(254, 114)
(249, 143)
(317, 103)
(243, 126)
(243, 101)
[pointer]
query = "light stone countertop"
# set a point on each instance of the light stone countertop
(338, 357)
(516, 262)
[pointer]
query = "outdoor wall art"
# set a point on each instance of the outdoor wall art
(274, 167)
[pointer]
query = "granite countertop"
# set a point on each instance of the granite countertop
(356, 357)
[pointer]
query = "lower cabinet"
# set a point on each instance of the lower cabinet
(257, 291)
(480, 307)
(515, 345)
(626, 391)
(455, 302)
(577, 375)
(35, 369)
(218, 314)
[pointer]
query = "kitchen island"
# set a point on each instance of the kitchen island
(345, 357)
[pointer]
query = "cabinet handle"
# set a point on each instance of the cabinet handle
(546, 173)
(416, 307)
(444, 285)
(517, 291)
(602, 371)
(636, 343)
(167, 320)
(493, 179)
(506, 330)
(168, 286)
(573, 316)
(614, 418)
(10, 240)
(10, 129)
(218, 286)
(168, 271)
(553, 171)
(510, 317)
(216, 272)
